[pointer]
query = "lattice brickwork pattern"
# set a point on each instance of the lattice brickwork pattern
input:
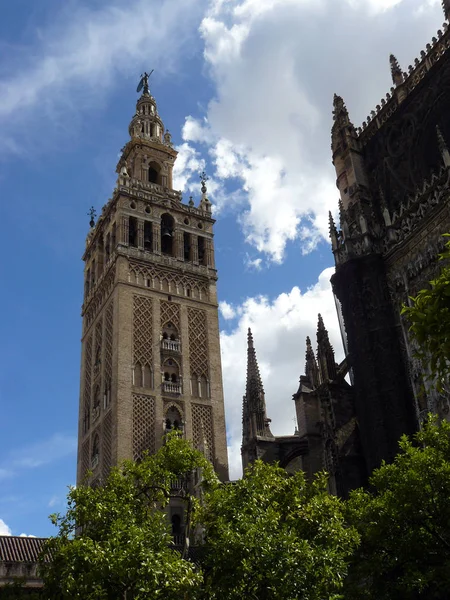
(170, 312)
(179, 283)
(85, 459)
(142, 330)
(107, 445)
(198, 342)
(88, 373)
(143, 425)
(108, 341)
(98, 347)
(202, 428)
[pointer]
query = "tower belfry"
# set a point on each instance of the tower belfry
(150, 343)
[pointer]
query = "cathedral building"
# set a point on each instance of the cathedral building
(150, 344)
(393, 176)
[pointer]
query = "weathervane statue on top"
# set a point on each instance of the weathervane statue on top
(143, 83)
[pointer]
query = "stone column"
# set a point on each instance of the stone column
(140, 233)
(209, 249)
(157, 238)
(179, 245)
(194, 248)
(125, 230)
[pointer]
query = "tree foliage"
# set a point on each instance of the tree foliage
(273, 535)
(122, 547)
(429, 318)
(404, 522)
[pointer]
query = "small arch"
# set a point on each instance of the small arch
(170, 332)
(173, 418)
(154, 173)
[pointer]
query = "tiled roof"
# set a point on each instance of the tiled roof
(20, 549)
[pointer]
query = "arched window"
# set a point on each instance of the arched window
(154, 173)
(167, 225)
(173, 419)
(166, 376)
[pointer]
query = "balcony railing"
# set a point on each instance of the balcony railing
(178, 539)
(171, 388)
(172, 345)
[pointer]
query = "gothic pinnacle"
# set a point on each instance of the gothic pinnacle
(443, 149)
(396, 72)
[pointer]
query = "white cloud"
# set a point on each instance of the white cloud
(74, 62)
(226, 310)
(187, 167)
(280, 326)
(253, 264)
(4, 529)
(276, 65)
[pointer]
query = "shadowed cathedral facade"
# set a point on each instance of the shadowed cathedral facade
(150, 343)
(393, 175)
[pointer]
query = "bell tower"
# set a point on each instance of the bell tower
(150, 343)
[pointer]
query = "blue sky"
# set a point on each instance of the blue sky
(245, 87)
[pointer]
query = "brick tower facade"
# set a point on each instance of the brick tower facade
(150, 344)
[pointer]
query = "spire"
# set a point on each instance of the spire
(443, 149)
(446, 8)
(333, 233)
(325, 353)
(396, 72)
(311, 369)
(254, 418)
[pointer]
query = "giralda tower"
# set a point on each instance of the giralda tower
(150, 344)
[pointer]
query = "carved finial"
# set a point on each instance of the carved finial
(443, 149)
(143, 83)
(446, 8)
(396, 72)
(191, 201)
(203, 179)
(93, 214)
(338, 106)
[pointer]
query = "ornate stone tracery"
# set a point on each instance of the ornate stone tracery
(198, 342)
(143, 425)
(202, 429)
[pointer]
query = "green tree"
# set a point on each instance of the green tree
(429, 319)
(273, 535)
(114, 540)
(404, 522)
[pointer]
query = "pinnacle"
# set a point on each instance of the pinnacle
(446, 8)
